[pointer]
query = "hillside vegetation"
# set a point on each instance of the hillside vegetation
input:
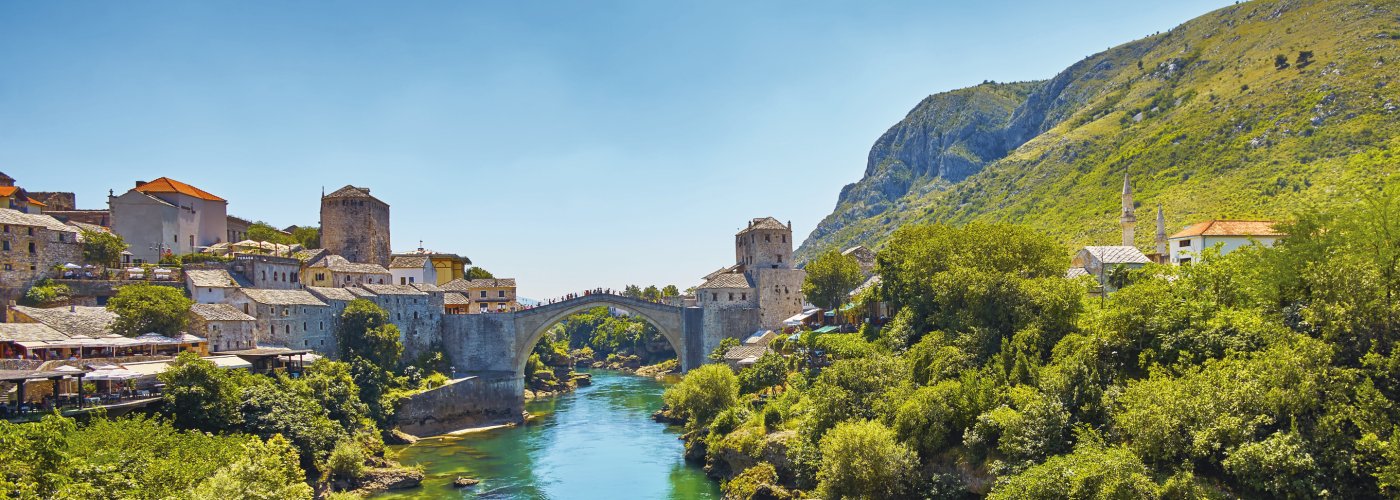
(1254, 110)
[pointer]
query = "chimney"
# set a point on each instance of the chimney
(139, 183)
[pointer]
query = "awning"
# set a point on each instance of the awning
(229, 362)
(825, 329)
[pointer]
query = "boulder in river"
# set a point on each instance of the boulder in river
(463, 482)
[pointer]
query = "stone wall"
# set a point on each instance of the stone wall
(267, 271)
(96, 292)
(779, 294)
(480, 342)
(482, 399)
(224, 335)
(55, 200)
(356, 228)
(20, 267)
(718, 324)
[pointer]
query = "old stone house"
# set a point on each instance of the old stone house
(486, 294)
(168, 216)
(30, 246)
(90, 321)
(1099, 262)
(288, 318)
(226, 327)
(268, 271)
(334, 270)
(214, 285)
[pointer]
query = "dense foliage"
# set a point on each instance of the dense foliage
(605, 334)
(145, 308)
(143, 458)
(102, 247)
(46, 293)
(1263, 373)
(830, 277)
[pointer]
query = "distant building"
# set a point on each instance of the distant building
(486, 295)
(288, 318)
(31, 245)
(1099, 262)
(268, 271)
(408, 269)
(864, 256)
(237, 229)
(334, 270)
(166, 216)
(1188, 244)
(210, 286)
(225, 327)
(355, 225)
(16, 198)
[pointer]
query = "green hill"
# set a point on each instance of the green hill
(1246, 112)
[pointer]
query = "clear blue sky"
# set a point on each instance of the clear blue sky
(569, 145)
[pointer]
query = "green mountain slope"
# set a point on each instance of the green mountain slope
(1205, 118)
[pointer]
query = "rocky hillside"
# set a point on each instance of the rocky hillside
(1249, 111)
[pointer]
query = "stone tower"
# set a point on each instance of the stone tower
(1128, 219)
(764, 251)
(1161, 232)
(355, 225)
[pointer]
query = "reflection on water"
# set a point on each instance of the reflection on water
(598, 442)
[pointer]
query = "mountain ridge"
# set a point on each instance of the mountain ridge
(1202, 117)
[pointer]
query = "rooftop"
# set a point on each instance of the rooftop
(91, 321)
(210, 278)
(764, 223)
(1118, 254)
(409, 262)
(459, 285)
(18, 218)
(29, 332)
(352, 192)
(340, 264)
(282, 297)
(168, 185)
(331, 293)
(219, 312)
(392, 289)
(455, 299)
(1230, 228)
(728, 280)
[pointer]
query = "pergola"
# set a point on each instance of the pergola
(19, 377)
(265, 359)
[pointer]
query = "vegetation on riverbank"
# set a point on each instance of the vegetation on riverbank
(1267, 372)
(596, 338)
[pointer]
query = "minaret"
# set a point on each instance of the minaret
(1128, 219)
(1161, 233)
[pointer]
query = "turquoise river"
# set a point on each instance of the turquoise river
(597, 442)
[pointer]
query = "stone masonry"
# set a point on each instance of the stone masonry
(355, 225)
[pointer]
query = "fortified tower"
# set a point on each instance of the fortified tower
(1128, 219)
(764, 252)
(355, 225)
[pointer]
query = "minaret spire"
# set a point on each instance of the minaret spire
(1128, 219)
(1161, 232)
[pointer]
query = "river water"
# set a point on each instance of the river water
(596, 442)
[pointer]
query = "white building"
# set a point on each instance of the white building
(1188, 244)
(412, 269)
(210, 286)
(168, 216)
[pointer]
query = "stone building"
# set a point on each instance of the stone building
(417, 313)
(268, 271)
(214, 285)
(226, 328)
(486, 294)
(409, 269)
(334, 270)
(355, 225)
(288, 318)
(90, 321)
(166, 216)
(30, 245)
(236, 229)
(760, 290)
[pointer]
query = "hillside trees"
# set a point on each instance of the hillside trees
(830, 277)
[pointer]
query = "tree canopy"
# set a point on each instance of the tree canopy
(146, 308)
(830, 278)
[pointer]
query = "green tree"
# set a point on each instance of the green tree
(477, 273)
(670, 291)
(200, 395)
(770, 370)
(307, 236)
(266, 471)
(333, 386)
(1092, 471)
(273, 409)
(862, 459)
(703, 393)
(262, 231)
(632, 291)
(365, 332)
(102, 247)
(830, 278)
(725, 344)
(46, 293)
(651, 293)
(146, 308)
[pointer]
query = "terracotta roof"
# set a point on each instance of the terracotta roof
(219, 312)
(210, 278)
(8, 190)
(282, 297)
(33, 201)
(1230, 228)
(168, 185)
(408, 262)
(764, 223)
(1117, 254)
(92, 321)
(331, 293)
(728, 280)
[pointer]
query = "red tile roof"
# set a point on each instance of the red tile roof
(1230, 228)
(8, 190)
(168, 185)
(33, 201)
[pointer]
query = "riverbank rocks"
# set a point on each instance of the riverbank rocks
(395, 436)
(665, 416)
(463, 482)
(582, 379)
(385, 479)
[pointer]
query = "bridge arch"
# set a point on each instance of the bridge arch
(532, 324)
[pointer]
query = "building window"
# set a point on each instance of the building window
(9, 267)
(780, 259)
(731, 296)
(714, 297)
(1184, 243)
(303, 326)
(7, 229)
(410, 279)
(501, 293)
(483, 294)
(743, 296)
(175, 239)
(30, 230)
(287, 329)
(784, 238)
(767, 238)
(31, 247)
(5, 246)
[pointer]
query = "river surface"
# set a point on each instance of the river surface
(596, 442)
